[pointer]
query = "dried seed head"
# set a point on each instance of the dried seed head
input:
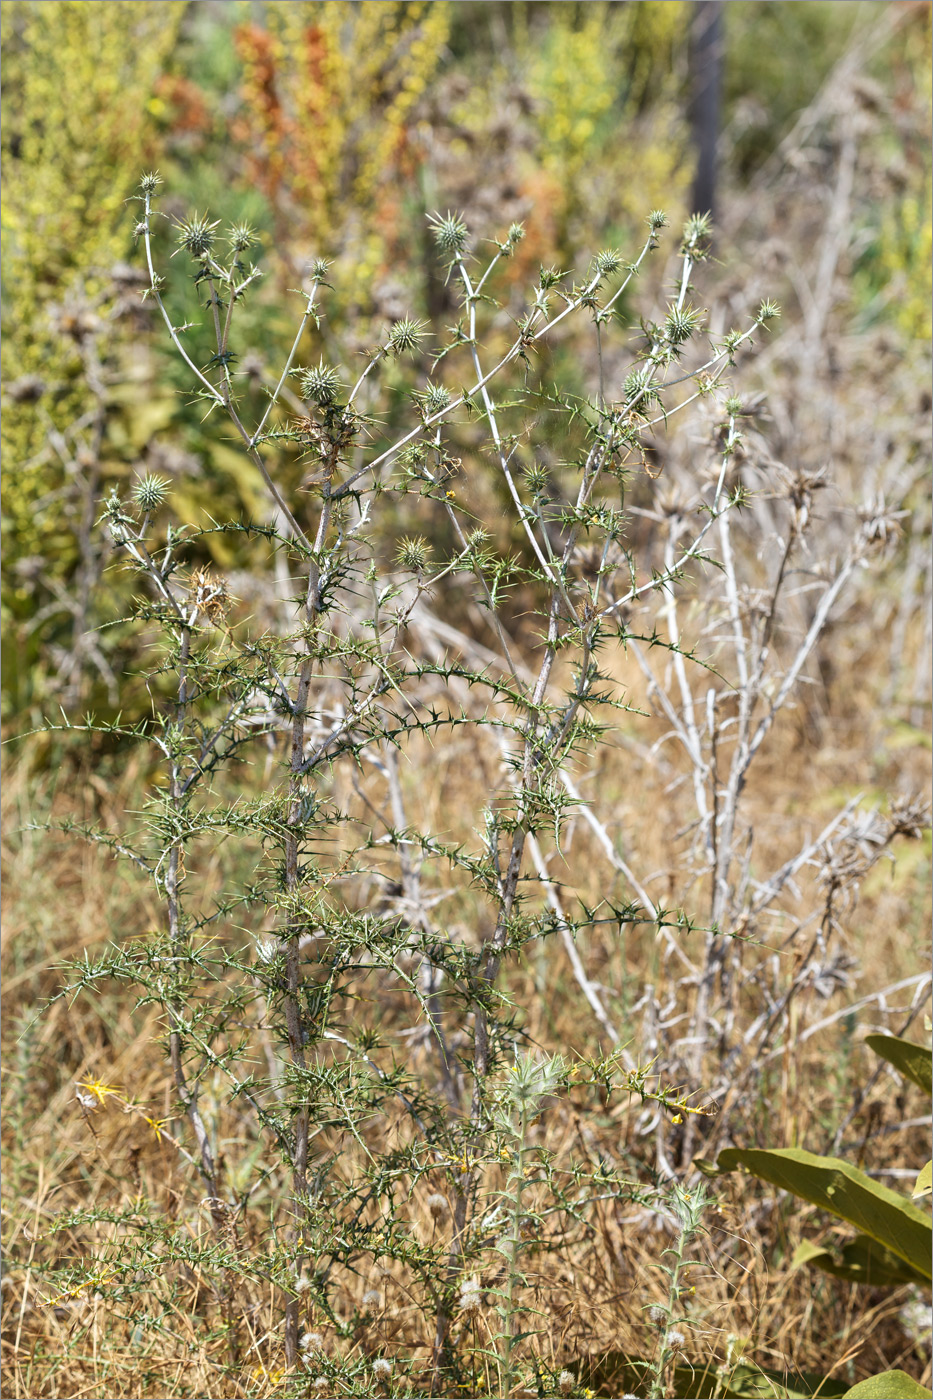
(676, 1341)
(321, 1384)
(471, 1297)
(311, 1341)
(438, 1206)
(208, 594)
(382, 1369)
(565, 1382)
(657, 1315)
(372, 1298)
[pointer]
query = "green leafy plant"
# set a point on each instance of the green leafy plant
(895, 1239)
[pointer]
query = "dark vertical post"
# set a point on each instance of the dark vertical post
(704, 67)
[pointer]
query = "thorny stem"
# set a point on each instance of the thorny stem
(172, 880)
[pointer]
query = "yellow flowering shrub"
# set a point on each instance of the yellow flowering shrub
(328, 89)
(75, 130)
(76, 81)
(605, 93)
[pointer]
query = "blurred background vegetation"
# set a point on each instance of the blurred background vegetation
(334, 129)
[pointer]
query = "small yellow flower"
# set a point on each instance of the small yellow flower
(157, 1125)
(94, 1089)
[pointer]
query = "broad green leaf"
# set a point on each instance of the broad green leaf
(914, 1062)
(893, 1220)
(863, 1260)
(889, 1385)
(923, 1186)
(617, 1372)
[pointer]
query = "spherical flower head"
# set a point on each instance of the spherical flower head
(608, 262)
(641, 387)
(531, 1079)
(676, 1340)
(320, 384)
(241, 237)
(382, 1369)
(657, 1315)
(196, 235)
(438, 1206)
(566, 1382)
(150, 492)
(435, 399)
(413, 553)
(150, 182)
(450, 234)
(311, 1341)
(405, 336)
(679, 325)
(697, 230)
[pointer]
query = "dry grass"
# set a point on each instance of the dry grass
(593, 1285)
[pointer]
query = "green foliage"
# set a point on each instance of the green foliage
(890, 1385)
(833, 1185)
(861, 1260)
(77, 79)
(697, 1379)
(776, 59)
(896, 1238)
(914, 1062)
